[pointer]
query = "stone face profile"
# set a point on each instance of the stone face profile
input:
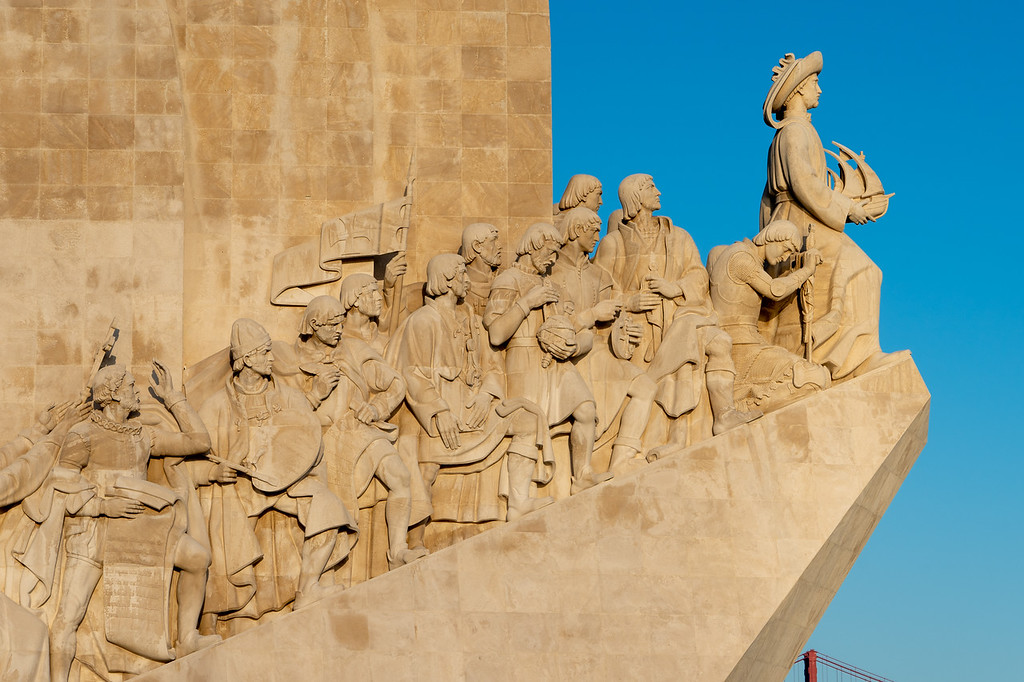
(625, 428)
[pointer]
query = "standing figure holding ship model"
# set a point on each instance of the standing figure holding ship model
(846, 292)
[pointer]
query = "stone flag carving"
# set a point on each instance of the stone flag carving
(376, 231)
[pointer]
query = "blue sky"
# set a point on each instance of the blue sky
(932, 92)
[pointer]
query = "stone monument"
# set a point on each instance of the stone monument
(399, 453)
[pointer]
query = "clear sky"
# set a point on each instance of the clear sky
(932, 92)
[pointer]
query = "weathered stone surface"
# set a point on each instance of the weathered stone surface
(158, 155)
(315, 111)
(714, 563)
(91, 195)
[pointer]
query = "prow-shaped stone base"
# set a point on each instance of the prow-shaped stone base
(712, 564)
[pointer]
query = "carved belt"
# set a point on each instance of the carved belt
(523, 342)
(784, 196)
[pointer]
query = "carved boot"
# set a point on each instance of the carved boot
(723, 403)
(193, 642)
(520, 474)
(581, 449)
(313, 594)
(416, 535)
(588, 478)
(396, 511)
(625, 459)
(405, 556)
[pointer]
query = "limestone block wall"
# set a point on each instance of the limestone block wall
(156, 154)
(91, 194)
(299, 111)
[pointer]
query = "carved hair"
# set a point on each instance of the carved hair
(777, 232)
(474, 232)
(352, 286)
(321, 309)
(629, 193)
(576, 192)
(536, 236)
(441, 270)
(576, 220)
(107, 382)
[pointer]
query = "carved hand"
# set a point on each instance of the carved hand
(325, 381)
(633, 330)
(662, 286)
(643, 301)
(539, 295)
(561, 349)
(396, 267)
(49, 417)
(478, 407)
(812, 258)
(120, 507)
(448, 428)
(161, 382)
(367, 414)
(606, 311)
(857, 213)
(224, 474)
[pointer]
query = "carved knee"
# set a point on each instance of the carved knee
(642, 388)
(719, 351)
(586, 413)
(523, 424)
(191, 556)
(393, 473)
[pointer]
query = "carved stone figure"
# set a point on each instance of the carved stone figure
(268, 432)
(24, 464)
(481, 249)
(659, 269)
(354, 392)
(363, 303)
(767, 376)
(616, 383)
(582, 190)
(109, 536)
(525, 316)
(26, 460)
(847, 285)
(457, 418)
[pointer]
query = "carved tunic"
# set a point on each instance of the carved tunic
(444, 366)
(103, 451)
(691, 320)
(354, 450)
(609, 377)
(559, 388)
(240, 425)
(446, 361)
(670, 254)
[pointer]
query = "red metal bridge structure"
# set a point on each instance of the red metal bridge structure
(814, 666)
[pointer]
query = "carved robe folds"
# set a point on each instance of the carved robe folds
(255, 562)
(445, 365)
